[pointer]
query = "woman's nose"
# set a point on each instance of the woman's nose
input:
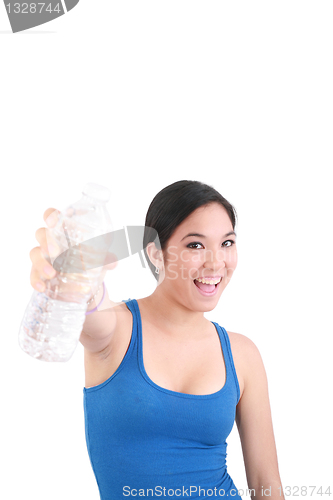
(214, 260)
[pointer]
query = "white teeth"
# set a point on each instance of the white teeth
(211, 282)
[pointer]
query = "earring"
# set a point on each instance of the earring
(157, 271)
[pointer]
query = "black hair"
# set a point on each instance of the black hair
(175, 203)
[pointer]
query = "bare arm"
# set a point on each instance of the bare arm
(100, 325)
(254, 423)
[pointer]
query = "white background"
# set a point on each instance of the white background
(136, 95)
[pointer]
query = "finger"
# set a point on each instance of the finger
(40, 266)
(48, 244)
(51, 216)
(36, 282)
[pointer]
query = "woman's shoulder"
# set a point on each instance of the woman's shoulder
(243, 348)
(245, 355)
(241, 343)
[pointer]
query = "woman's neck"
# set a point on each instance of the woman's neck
(177, 319)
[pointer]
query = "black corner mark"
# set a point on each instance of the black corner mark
(70, 4)
(25, 15)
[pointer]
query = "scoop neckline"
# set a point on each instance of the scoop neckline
(169, 391)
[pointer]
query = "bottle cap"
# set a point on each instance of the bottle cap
(96, 191)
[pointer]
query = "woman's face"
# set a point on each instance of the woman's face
(203, 247)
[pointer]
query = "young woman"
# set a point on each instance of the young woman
(163, 385)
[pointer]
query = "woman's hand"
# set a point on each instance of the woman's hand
(47, 251)
(41, 268)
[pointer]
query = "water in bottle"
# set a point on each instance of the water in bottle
(53, 321)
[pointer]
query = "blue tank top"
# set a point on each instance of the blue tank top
(147, 441)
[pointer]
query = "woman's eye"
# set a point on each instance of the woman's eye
(229, 241)
(194, 245)
(191, 245)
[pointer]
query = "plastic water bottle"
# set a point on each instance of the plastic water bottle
(53, 321)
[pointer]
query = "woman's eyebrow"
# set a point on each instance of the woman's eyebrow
(203, 236)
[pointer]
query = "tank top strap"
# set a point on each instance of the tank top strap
(131, 304)
(227, 354)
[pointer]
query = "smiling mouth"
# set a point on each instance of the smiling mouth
(207, 287)
(209, 281)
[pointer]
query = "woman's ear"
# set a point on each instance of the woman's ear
(155, 255)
